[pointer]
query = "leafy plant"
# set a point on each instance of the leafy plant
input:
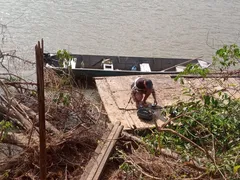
(64, 58)
(209, 123)
(192, 69)
(63, 98)
(5, 127)
(227, 57)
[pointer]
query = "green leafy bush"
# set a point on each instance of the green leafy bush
(210, 123)
(64, 57)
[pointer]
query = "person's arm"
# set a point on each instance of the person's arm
(148, 92)
(154, 96)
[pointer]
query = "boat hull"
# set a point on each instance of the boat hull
(99, 66)
(102, 73)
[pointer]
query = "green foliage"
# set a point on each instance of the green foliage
(155, 142)
(217, 116)
(5, 127)
(13, 79)
(64, 57)
(6, 174)
(210, 121)
(213, 121)
(63, 98)
(235, 169)
(227, 57)
(126, 167)
(194, 69)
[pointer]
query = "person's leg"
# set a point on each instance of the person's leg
(137, 98)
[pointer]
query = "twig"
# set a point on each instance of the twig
(23, 83)
(141, 170)
(204, 127)
(196, 178)
(186, 139)
(214, 159)
(66, 173)
(171, 119)
(10, 74)
(31, 132)
(24, 60)
(163, 151)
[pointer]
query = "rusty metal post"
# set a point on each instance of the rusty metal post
(41, 109)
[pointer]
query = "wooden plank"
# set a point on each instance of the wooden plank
(128, 119)
(113, 112)
(106, 149)
(111, 141)
(167, 90)
(92, 161)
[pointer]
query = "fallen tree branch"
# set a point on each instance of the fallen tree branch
(196, 178)
(163, 151)
(188, 140)
(20, 83)
(5, 110)
(10, 163)
(18, 139)
(34, 116)
(139, 168)
(214, 158)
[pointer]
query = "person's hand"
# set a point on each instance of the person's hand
(155, 102)
(143, 104)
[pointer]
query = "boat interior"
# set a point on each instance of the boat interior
(123, 63)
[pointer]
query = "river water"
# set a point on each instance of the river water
(156, 28)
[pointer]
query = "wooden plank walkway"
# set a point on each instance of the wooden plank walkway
(115, 94)
(96, 164)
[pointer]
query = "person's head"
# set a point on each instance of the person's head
(148, 84)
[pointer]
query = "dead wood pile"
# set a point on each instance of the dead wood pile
(73, 125)
(133, 160)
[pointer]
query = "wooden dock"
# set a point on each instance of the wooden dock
(115, 95)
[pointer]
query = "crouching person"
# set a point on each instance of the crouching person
(141, 90)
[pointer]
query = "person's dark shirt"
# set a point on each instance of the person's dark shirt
(140, 84)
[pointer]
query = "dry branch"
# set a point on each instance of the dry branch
(10, 163)
(163, 151)
(18, 139)
(16, 115)
(68, 147)
(34, 116)
(13, 56)
(188, 140)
